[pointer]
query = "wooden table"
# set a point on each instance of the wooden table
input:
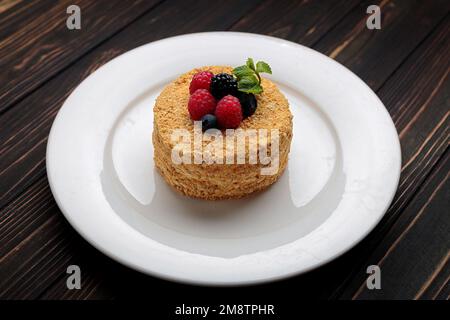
(406, 62)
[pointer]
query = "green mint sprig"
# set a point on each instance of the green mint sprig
(248, 78)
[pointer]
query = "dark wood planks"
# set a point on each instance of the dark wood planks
(304, 22)
(101, 273)
(374, 54)
(16, 14)
(414, 256)
(33, 260)
(35, 43)
(6, 5)
(417, 97)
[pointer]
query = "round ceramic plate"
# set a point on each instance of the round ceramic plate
(343, 170)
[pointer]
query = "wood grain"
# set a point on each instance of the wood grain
(414, 255)
(15, 15)
(304, 22)
(375, 54)
(34, 48)
(406, 62)
(6, 5)
(425, 125)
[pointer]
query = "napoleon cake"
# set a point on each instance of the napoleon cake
(222, 133)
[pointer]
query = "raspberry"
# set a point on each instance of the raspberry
(200, 103)
(223, 84)
(201, 80)
(229, 112)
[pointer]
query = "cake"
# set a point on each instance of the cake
(226, 178)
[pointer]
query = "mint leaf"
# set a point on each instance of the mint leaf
(248, 77)
(247, 82)
(250, 63)
(255, 89)
(242, 71)
(262, 66)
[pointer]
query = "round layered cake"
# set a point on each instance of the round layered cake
(220, 164)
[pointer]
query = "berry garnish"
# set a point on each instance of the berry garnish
(209, 121)
(248, 78)
(223, 84)
(229, 112)
(248, 103)
(200, 103)
(200, 80)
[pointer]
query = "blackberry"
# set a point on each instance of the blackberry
(248, 103)
(209, 121)
(223, 84)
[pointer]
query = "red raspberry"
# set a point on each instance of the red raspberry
(200, 80)
(229, 112)
(200, 103)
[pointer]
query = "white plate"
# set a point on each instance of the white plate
(343, 170)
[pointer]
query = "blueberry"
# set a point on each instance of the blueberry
(248, 103)
(209, 121)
